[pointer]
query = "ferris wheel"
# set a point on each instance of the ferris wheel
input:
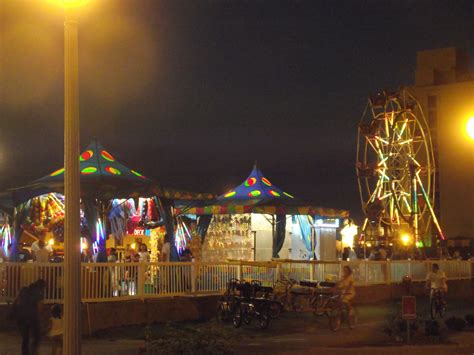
(396, 167)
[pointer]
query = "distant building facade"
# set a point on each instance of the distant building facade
(444, 85)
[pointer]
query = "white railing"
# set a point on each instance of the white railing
(121, 281)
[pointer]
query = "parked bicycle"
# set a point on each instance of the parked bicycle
(244, 301)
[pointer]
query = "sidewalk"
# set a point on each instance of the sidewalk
(293, 333)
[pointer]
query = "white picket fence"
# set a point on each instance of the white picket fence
(104, 282)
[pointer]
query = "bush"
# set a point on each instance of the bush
(431, 327)
(470, 319)
(455, 323)
(188, 341)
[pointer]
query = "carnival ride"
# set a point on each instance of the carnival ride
(396, 168)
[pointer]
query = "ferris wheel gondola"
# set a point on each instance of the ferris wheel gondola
(396, 167)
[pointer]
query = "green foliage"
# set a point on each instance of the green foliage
(189, 341)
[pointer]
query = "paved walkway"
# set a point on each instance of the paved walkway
(292, 334)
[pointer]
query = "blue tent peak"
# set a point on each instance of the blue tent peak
(96, 162)
(256, 187)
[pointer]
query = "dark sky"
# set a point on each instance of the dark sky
(193, 92)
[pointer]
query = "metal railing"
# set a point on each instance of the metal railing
(104, 282)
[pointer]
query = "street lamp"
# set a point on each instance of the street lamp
(470, 127)
(72, 232)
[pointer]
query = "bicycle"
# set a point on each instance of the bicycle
(228, 302)
(437, 304)
(339, 310)
(249, 309)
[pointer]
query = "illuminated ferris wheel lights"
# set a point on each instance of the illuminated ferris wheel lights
(406, 239)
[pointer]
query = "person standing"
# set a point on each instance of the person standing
(41, 237)
(42, 253)
(166, 249)
(26, 310)
(352, 254)
(143, 254)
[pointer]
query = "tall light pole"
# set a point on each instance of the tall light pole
(72, 242)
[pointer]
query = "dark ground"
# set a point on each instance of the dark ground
(291, 334)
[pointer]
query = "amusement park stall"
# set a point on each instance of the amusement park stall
(119, 207)
(258, 221)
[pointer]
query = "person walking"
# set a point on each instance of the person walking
(26, 310)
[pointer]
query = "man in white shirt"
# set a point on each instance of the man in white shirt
(166, 249)
(436, 280)
(35, 245)
(42, 254)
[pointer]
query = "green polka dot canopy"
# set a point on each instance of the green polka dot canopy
(256, 187)
(97, 162)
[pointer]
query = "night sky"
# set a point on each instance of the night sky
(193, 92)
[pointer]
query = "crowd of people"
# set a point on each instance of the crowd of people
(381, 252)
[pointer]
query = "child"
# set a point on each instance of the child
(56, 329)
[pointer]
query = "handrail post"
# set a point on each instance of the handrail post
(141, 280)
(239, 270)
(311, 271)
(193, 276)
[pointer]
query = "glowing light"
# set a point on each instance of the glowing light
(84, 245)
(288, 195)
(57, 172)
(112, 170)
(89, 170)
(70, 3)
(51, 242)
(266, 181)
(470, 127)
(250, 182)
(133, 246)
(274, 193)
(348, 233)
(405, 239)
(230, 194)
(86, 155)
(137, 174)
(368, 244)
(107, 156)
(255, 193)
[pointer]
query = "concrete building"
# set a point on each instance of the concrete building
(444, 85)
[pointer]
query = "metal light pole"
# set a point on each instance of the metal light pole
(72, 245)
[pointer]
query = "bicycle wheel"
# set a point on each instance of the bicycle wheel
(221, 315)
(264, 321)
(433, 308)
(237, 320)
(442, 310)
(275, 309)
(319, 305)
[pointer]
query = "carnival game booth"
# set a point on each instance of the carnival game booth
(258, 221)
(119, 207)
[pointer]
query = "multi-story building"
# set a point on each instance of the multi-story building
(444, 87)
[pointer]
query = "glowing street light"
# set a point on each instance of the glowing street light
(470, 128)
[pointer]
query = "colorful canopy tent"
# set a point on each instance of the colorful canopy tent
(257, 194)
(102, 176)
